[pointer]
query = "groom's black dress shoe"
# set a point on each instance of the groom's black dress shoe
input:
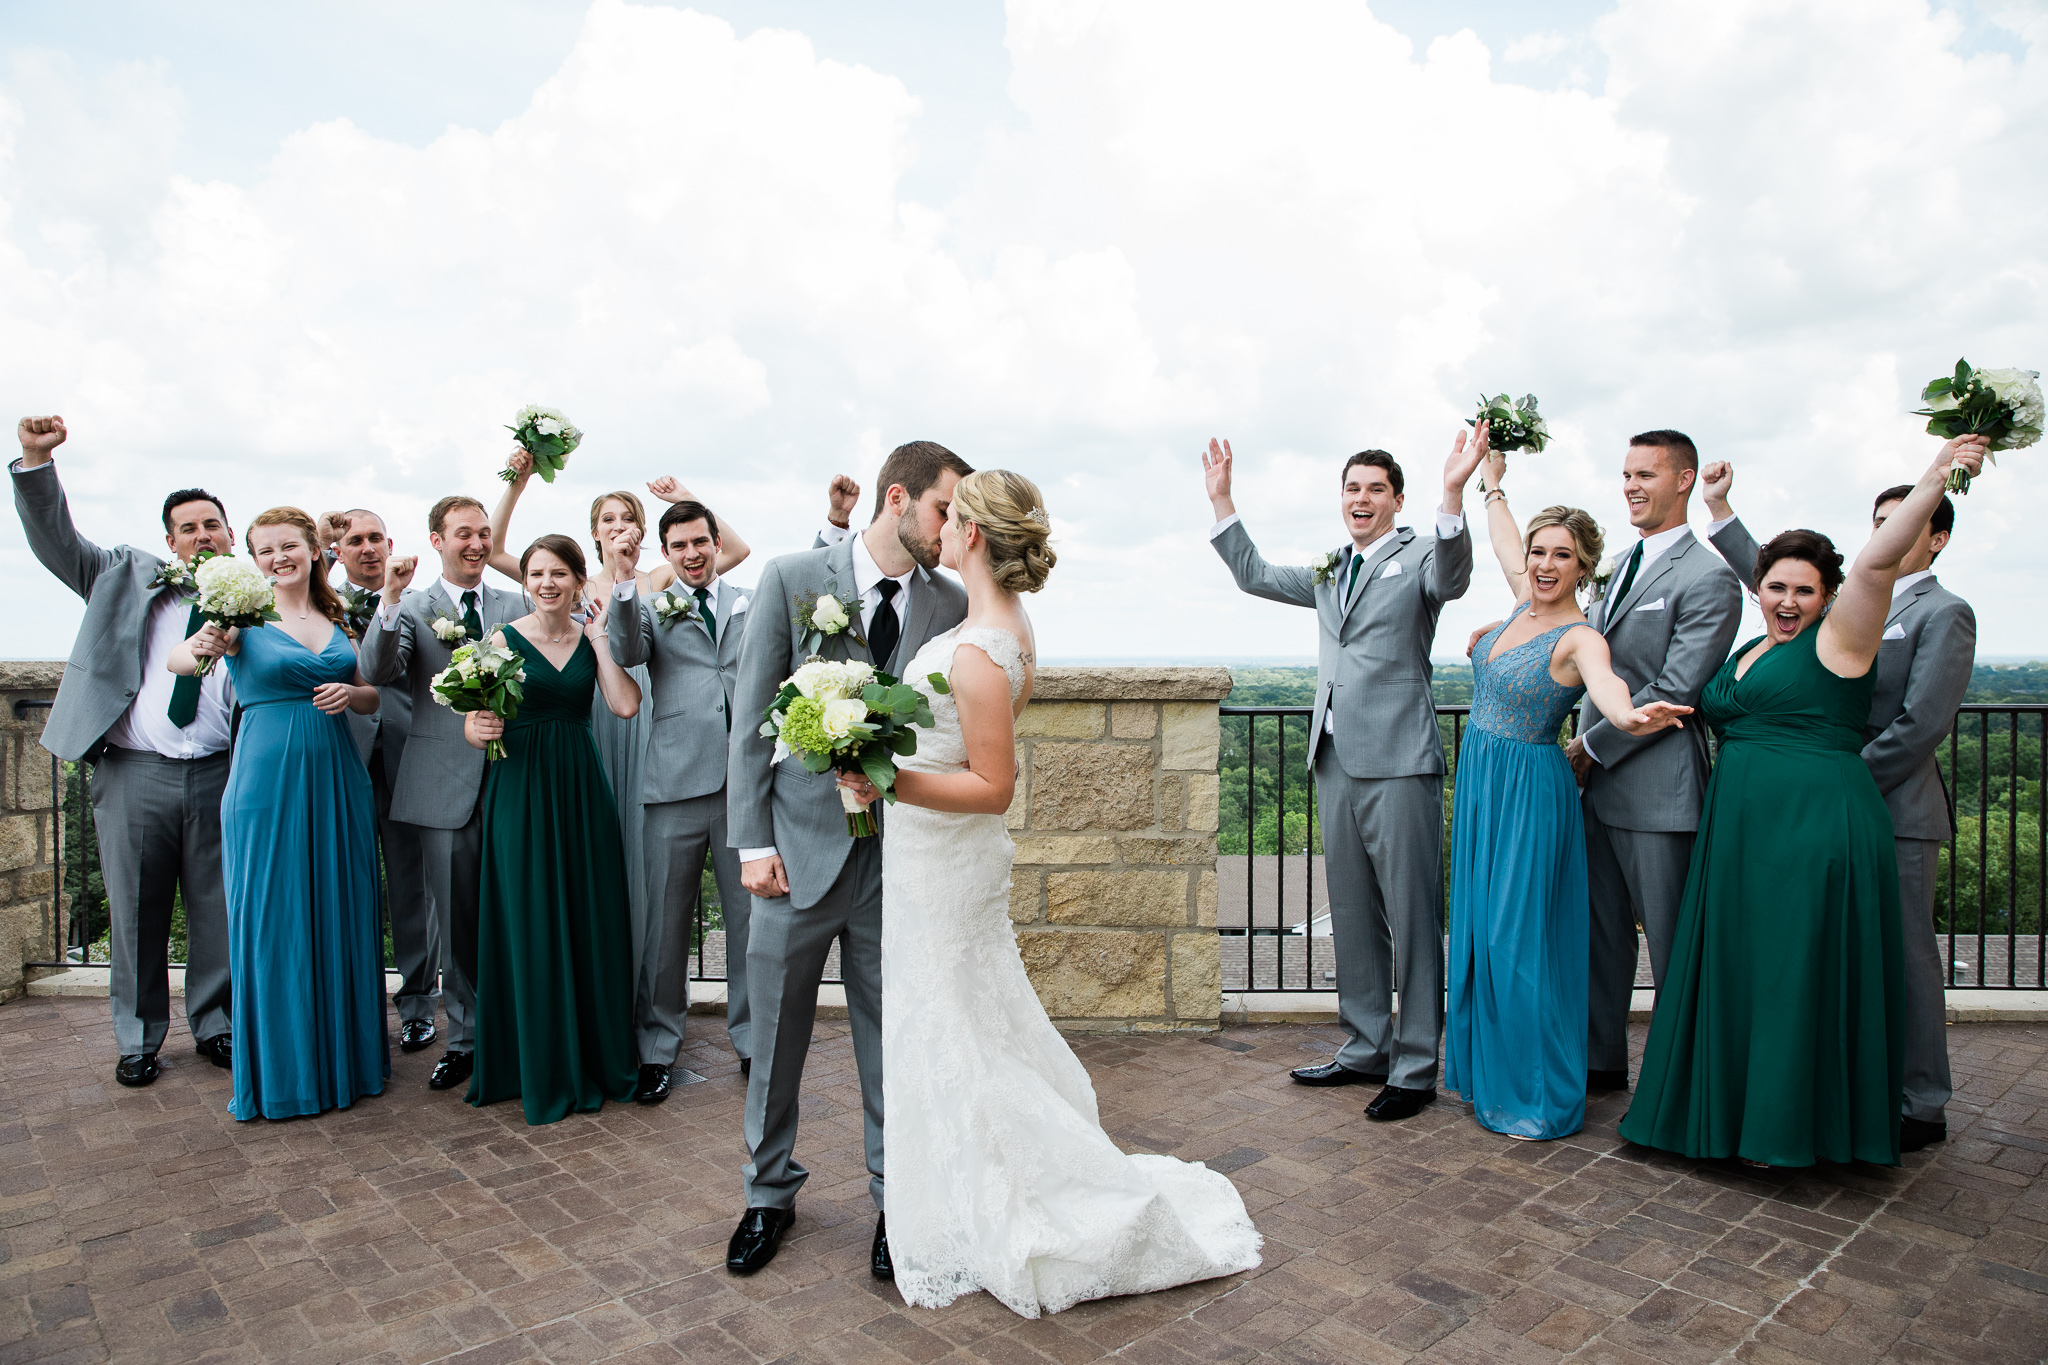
(1399, 1102)
(452, 1070)
(1333, 1073)
(1607, 1080)
(746, 1066)
(136, 1069)
(219, 1049)
(754, 1242)
(1917, 1133)
(415, 1034)
(878, 1255)
(654, 1084)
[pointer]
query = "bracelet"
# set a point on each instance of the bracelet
(1496, 494)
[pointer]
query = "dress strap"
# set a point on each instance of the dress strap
(1001, 646)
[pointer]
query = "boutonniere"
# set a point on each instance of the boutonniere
(178, 574)
(822, 614)
(1325, 568)
(449, 630)
(1601, 576)
(669, 608)
(358, 605)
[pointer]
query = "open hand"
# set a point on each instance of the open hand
(1652, 717)
(863, 790)
(1216, 463)
(1466, 453)
(1472, 645)
(333, 698)
(840, 498)
(597, 611)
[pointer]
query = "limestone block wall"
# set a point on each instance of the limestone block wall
(29, 925)
(1114, 892)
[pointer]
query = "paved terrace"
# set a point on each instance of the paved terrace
(148, 1226)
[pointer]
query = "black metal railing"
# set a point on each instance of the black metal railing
(1991, 899)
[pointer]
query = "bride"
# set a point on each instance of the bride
(997, 1173)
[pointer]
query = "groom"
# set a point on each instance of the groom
(811, 882)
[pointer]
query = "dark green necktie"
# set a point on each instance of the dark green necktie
(470, 620)
(704, 614)
(1351, 583)
(1628, 577)
(185, 691)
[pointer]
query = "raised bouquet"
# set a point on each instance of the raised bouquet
(233, 594)
(1511, 425)
(849, 718)
(547, 436)
(484, 675)
(2004, 406)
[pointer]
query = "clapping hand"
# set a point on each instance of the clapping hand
(1651, 717)
(333, 698)
(840, 498)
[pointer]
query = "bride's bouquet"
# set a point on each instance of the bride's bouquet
(233, 594)
(547, 436)
(848, 717)
(483, 675)
(2003, 406)
(1512, 426)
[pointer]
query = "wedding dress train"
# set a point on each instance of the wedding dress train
(997, 1173)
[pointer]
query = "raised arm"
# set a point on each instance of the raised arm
(1854, 625)
(385, 653)
(1274, 582)
(1503, 533)
(1450, 560)
(46, 512)
(732, 547)
(502, 559)
(628, 628)
(1733, 540)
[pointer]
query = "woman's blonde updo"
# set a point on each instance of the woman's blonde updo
(1011, 514)
(1587, 541)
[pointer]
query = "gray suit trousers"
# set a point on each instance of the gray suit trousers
(455, 864)
(1383, 845)
(786, 950)
(415, 937)
(1925, 1015)
(677, 838)
(1634, 876)
(158, 821)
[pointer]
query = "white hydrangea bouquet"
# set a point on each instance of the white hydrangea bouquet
(484, 675)
(233, 594)
(1512, 425)
(848, 717)
(2002, 405)
(548, 437)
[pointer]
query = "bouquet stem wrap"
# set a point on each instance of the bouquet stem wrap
(860, 821)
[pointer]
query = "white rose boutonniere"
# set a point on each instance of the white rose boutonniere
(670, 608)
(1601, 576)
(1325, 568)
(449, 630)
(178, 574)
(821, 614)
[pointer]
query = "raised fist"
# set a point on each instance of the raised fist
(40, 435)
(841, 498)
(398, 572)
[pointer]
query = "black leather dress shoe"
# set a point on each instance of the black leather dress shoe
(1606, 1080)
(1398, 1102)
(1332, 1073)
(755, 1241)
(1913, 1133)
(219, 1049)
(452, 1070)
(136, 1069)
(415, 1034)
(654, 1084)
(878, 1255)
(746, 1066)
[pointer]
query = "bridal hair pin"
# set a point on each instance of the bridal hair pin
(1037, 514)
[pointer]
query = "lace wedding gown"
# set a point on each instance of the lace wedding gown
(997, 1171)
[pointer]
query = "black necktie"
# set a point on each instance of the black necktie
(470, 620)
(705, 614)
(1628, 577)
(886, 630)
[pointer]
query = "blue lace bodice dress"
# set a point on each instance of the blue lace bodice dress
(1515, 1026)
(298, 827)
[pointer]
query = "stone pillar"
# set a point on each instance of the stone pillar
(1114, 894)
(30, 926)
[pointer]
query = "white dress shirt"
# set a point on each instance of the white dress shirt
(389, 610)
(1653, 550)
(832, 535)
(146, 724)
(1906, 581)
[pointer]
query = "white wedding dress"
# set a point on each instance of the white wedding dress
(997, 1172)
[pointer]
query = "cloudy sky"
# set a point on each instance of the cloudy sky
(320, 255)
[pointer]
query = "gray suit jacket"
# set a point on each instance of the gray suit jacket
(691, 691)
(437, 783)
(105, 669)
(784, 804)
(391, 722)
(1668, 653)
(1372, 660)
(1923, 674)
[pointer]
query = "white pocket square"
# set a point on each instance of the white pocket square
(1393, 569)
(1657, 605)
(1895, 631)
(739, 605)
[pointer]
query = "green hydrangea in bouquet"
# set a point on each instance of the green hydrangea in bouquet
(848, 717)
(2003, 406)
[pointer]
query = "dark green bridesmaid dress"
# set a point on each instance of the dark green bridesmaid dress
(1776, 1034)
(554, 978)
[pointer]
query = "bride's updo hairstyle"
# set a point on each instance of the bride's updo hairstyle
(1587, 541)
(1011, 514)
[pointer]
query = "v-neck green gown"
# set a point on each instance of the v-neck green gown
(554, 982)
(1776, 1034)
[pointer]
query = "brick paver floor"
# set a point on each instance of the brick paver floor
(148, 1226)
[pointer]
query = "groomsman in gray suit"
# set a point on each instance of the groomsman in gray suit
(689, 638)
(158, 746)
(1923, 674)
(812, 883)
(362, 548)
(1669, 610)
(439, 787)
(1376, 755)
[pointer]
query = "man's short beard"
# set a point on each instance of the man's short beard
(925, 554)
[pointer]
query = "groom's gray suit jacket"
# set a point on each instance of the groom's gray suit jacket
(1667, 639)
(437, 781)
(691, 685)
(785, 805)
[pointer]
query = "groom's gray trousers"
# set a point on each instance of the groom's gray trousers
(1383, 851)
(786, 950)
(1633, 876)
